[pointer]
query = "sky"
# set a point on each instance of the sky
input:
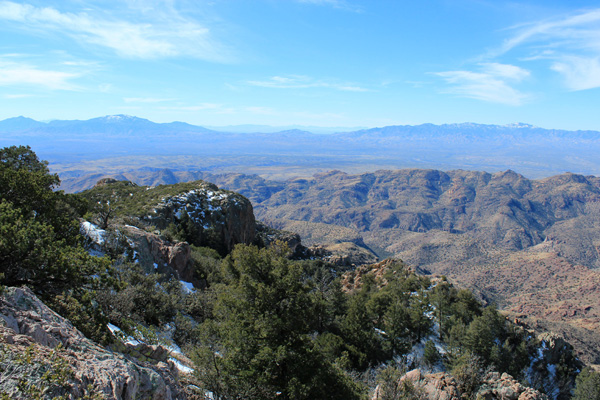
(329, 63)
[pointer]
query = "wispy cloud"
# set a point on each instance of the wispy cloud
(575, 31)
(18, 73)
(165, 33)
(580, 73)
(17, 96)
(491, 82)
(304, 82)
(570, 43)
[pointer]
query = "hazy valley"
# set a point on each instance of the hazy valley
(115, 144)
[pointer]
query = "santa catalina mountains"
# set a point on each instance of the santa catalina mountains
(524, 236)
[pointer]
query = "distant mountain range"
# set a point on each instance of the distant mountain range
(533, 151)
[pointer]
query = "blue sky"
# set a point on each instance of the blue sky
(307, 62)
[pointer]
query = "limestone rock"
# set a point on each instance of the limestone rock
(35, 340)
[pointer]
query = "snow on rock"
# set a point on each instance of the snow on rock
(187, 286)
(117, 332)
(182, 368)
(89, 365)
(216, 214)
(95, 234)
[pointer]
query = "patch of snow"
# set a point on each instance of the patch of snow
(173, 348)
(115, 330)
(131, 226)
(209, 395)
(182, 368)
(552, 387)
(187, 286)
(93, 232)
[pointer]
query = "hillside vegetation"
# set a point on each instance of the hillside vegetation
(256, 324)
(530, 246)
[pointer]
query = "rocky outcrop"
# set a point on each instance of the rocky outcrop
(505, 387)
(352, 280)
(555, 367)
(443, 386)
(218, 218)
(266, 235)
(42, 353)
(107, 181)
(156, 254)
(343, 254)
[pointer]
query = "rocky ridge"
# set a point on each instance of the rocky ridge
(56, 358)
(497, 234)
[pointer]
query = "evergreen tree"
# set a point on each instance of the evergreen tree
(259, 345)
(40, 244)
(587, 385)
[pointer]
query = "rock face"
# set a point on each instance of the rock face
(41, 350)
(344, 254)
(266, 235)
(220, 218)
(442, 386)
(154, 253)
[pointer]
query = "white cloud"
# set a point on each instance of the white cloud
(570, 43)
(304, 82)
(165, 34)
(580, 73)
(15, 73)
(580, 31)
(17, 96)
(492, 83)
